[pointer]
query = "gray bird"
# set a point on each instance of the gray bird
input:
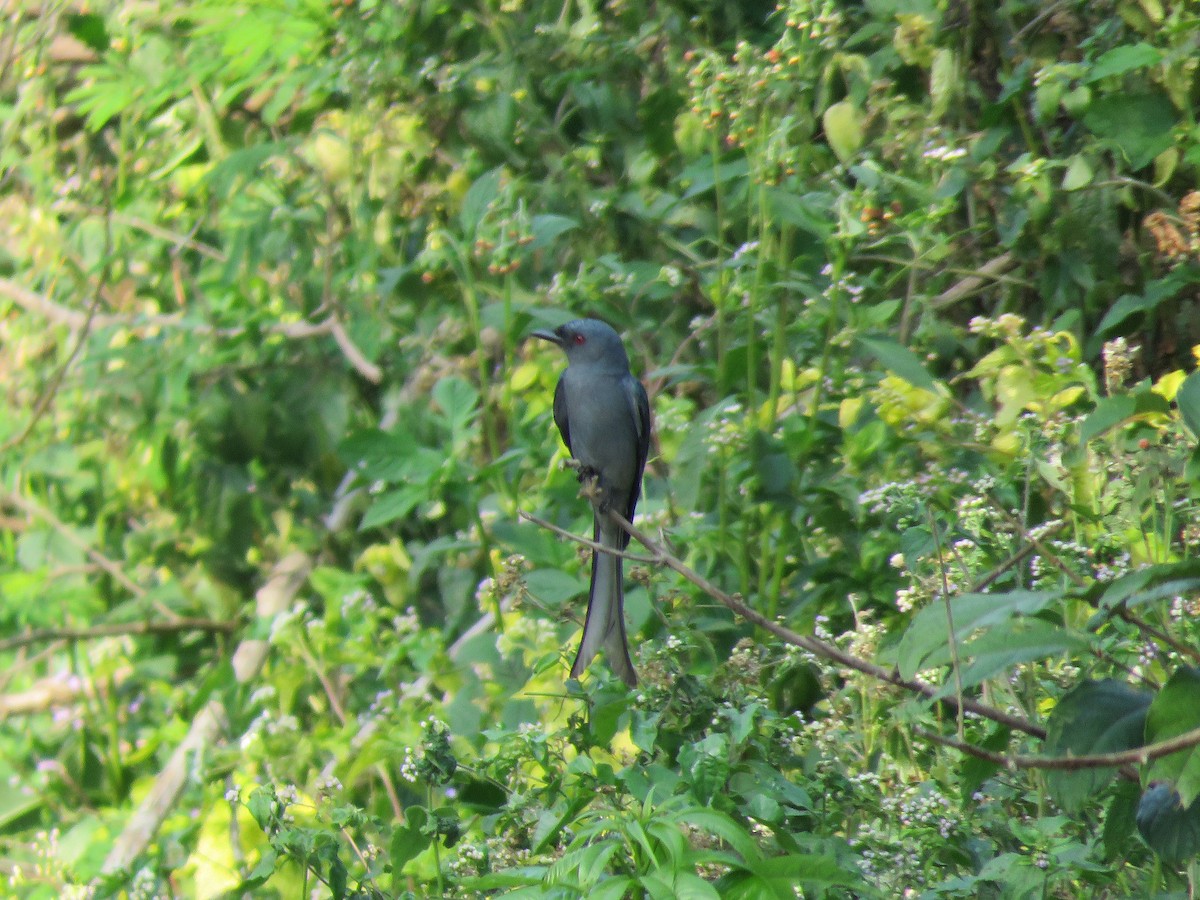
(603, 416)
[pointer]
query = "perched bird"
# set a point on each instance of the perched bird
(603, 416)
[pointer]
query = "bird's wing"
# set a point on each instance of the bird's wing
(639, 408)
(560, 412)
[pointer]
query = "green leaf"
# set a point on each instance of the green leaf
(1094, 717)
(1120, 819)
(707, 763)
(1188, 400)
(1079, 173)
(1109, 412)
(928, 631)
(1120, 60)
(702, 176)
(458, 401)
(1147, 585)
(1176, 710)
(545, 228)
(393, 505)
(1010, 644)
(1154, 293)
(901, 361)
(609, 889)
(261, 805)
(15, 805)
(594, 861)
(690, 886)
(1140, 125)
(1169, 829)
(808, 212)
(658, 885)
(554, 587)
(411, 838)
(779, 876)
(843, 129)
(973, 771)
(721, 826)
(263, 870)
(90, 29)
(480, 195)
(943, 81)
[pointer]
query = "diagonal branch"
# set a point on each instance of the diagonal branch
(1137, 756)
(814, 645)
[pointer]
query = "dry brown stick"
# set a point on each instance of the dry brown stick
(72, 318)
(116, 629)
(56, 691)
(988, 271)
(1138, 756)
(272, 600)
(593, 545)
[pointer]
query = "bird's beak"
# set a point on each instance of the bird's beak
(547, 336)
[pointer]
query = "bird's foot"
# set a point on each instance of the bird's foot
(591, 488)
(590, 485)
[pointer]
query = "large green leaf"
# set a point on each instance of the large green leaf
(780, 876)
(901, 361)
(1140, 125)
(929, 632)
(1009, 644)
(1188, 399)
(1154, 293)
(1094, 717)
(1147, 585)
(1176, 710)
(1120, 60)
(1169, 829)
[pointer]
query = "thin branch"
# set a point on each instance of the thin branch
(1138, 756)
(599, 548)
(44, 635)
(29, 507)
(354, 356)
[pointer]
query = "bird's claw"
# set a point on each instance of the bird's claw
(590, 485)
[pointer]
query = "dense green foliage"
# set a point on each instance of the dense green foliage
(912, 286)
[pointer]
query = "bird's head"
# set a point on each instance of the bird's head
(588, 342)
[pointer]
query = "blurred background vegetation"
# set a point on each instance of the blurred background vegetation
(913, 288)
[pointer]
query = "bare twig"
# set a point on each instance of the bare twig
(29, 507)
(594, 545)
(43, 635)
(1138, 756)
(354, 356)
(71, 318)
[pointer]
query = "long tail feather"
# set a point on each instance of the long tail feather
(604, 627)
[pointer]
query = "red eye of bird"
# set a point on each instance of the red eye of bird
(580, 339)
